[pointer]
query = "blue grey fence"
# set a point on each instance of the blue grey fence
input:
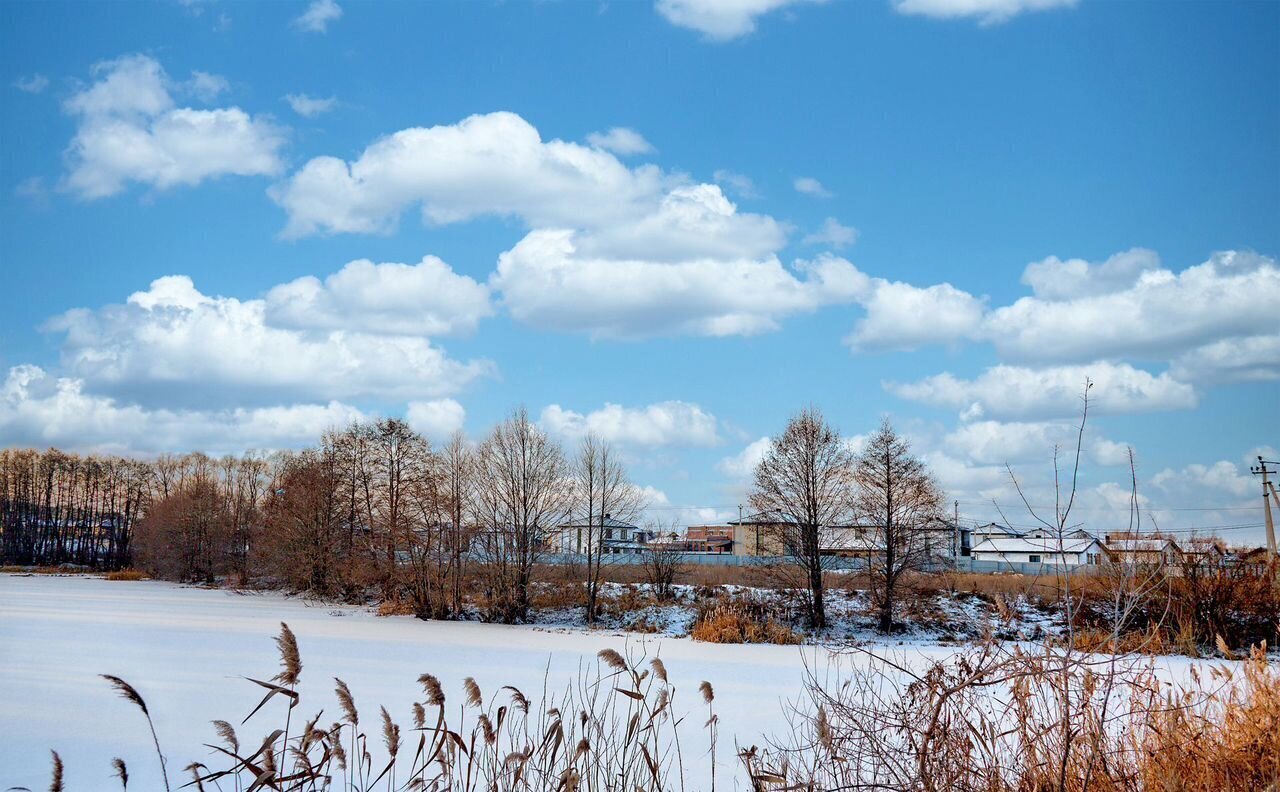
(833, 563)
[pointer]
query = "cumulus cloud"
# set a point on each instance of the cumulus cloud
(902, 316)
(173, 342)
(34, 84)
(437, 420)
(40, 409)
(427, 298)
(742, 465)
(738, 184)
(620, 140)
(1056, 279)
(668, 423)
(834, 234)
(129, 130)
(1158, 315)
(310, 106)
(689, 222)
(318, 15)
(1249, 359)
(546, 282)
(494, 164)
(720, 20)
(811, 186)
(987, 12)
(1010, 392)
(1202, 320)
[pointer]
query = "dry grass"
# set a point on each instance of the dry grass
(395, 607)
(126, 574)
(736, 621)
(989, 720)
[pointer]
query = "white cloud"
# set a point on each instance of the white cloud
(427, 298)
(690, 221)
(1249, 359)
(669, 423)
(742, 465)
(206, 87)
(310, 106)
(811, 186)
(1109, 453)
(546, 282)
(1056, 279)
(437, 419)
(318, 15)
(495, 164)
(128, 129)
(996, 442)
(902, 316)
(720, 20)
(39, 409)
(1160, 315)
(834, 234)
(34, 84)
(173, 342)
(620, 140)
(1202, 320)
(1011, 392)
(1221, 477)
(988, 12)
(739, 184)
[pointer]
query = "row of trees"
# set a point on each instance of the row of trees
(811, 480)
(58, 508)
(375, 506)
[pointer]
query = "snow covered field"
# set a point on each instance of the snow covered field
(186, 650)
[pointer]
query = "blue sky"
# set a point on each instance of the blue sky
(947, 213)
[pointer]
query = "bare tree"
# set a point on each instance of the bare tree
(303, 537)
(895, 499)
(804, 483)
(457, 472)
(663, 561)
(602, 494)
(522, 494)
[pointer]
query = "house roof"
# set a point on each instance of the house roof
(1021, 544)
(1132, 545)
(995, 529)
(609, 522)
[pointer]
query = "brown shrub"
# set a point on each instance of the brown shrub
(126, 574)
(736, 621)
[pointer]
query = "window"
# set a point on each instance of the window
(1034, 559)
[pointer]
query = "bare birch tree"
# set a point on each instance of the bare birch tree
(895, 499)
(804, 482)
(522, 495)
(601, 492)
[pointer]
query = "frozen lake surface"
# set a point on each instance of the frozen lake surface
(187, 650)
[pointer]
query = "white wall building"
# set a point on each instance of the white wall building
(1069, 552)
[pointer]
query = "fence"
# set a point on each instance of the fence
(835, 563)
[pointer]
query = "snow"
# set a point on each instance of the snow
(187, 650)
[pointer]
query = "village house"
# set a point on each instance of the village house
(1046, 551)
(1143, 549)
(615, 537)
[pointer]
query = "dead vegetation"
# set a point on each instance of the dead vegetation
(990, 719)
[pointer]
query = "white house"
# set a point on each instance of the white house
(1069, 552)
(615, 537)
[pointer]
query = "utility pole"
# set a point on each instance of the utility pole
(1261, 469)
(955, 532)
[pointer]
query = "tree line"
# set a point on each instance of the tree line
(374, 507)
